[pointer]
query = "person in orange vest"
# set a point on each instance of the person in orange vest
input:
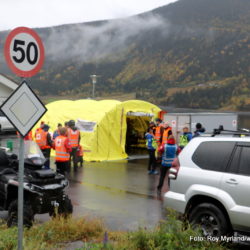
(44, 141)
(74, 140)
(158, 131)
(80, 155)
(28, 137)
(40, 128)
(63, 149)
(167, 132)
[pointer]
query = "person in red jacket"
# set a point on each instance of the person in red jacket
(63, 149)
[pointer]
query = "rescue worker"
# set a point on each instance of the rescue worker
(169, 152)
(158, 131)
(40, 128)
(185, 138)
(151, 146)
(63, 149)
(152, 126)
(74, 141)
(56, 132)
(166, 133)
(28, 137)
(80, 155)
(44, 141)
(199, 130)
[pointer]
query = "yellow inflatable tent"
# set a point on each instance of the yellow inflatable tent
(106, 126)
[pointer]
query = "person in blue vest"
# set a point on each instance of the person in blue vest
(185, 138)
(169, 152)
(56, 132)
(200, 130)
(151, 146)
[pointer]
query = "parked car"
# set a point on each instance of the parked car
(209, 184)
(5, 125)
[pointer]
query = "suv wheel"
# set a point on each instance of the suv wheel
(210, 218)
(28, 215)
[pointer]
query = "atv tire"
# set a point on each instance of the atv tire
(28, 215)
(65, 208)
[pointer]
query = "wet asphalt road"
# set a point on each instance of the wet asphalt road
(119, 192)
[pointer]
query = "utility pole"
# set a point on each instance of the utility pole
(94, 81)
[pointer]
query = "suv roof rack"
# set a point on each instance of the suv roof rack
(236, 133)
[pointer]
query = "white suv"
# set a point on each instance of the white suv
(210, 184)
(5, 125)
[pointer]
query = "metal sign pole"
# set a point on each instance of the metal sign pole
(20, 193)
(18, 108)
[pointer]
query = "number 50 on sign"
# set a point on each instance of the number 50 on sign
(24, 52)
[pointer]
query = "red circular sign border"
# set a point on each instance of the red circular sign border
(12, 66)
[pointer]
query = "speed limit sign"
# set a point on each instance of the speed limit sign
(24, 52)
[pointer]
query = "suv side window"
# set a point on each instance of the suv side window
(234, 165)
(213, 155)
(245, 161)
(240, 163)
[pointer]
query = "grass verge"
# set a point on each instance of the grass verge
(170, 234)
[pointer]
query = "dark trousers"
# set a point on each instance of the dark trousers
(152, 160)
(62, 166)
(163, 173)
(46, 153)
(73, 156)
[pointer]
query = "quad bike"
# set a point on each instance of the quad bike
(43, 188)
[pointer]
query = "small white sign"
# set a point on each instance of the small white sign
(234, 123)
(23, 109)
(173, 123)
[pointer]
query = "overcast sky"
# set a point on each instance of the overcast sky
(44, 13)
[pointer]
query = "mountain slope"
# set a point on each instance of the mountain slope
(192, 53)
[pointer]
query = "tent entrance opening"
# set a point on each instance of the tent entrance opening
(135, 137)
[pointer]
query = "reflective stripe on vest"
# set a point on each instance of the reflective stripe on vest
(61, 151)
(158, 134)
(168, 155)
(74, 138)
(165, 135)
(167, 161)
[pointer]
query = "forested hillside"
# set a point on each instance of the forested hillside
(192, 53)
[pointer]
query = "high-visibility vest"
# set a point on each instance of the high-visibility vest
(74, 138)
(41, 139)
(183, 140)
(28, 137)
(168, 155)
(165, 135)
(158, 134)
(61, 150)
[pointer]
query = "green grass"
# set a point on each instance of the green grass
(170, 234)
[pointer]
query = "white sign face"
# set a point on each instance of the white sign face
(23, 109)
(85, 126)
(24, 52)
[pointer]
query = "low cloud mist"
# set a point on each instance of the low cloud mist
(89, 42)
